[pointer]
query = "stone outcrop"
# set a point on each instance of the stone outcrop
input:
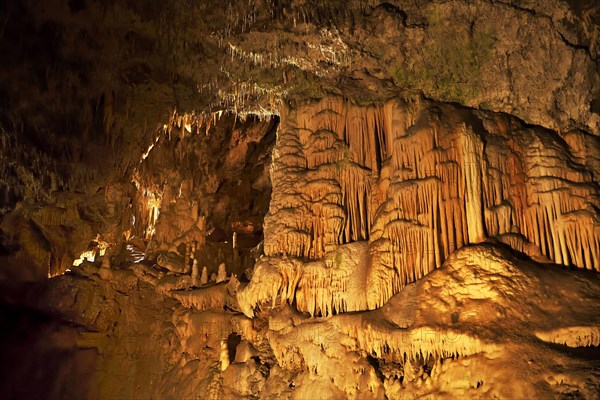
(459, 332)
(299, 199)
(417, 181)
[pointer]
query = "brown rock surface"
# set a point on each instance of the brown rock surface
(299, 199)
(417, 181)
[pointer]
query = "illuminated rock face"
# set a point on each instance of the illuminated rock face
(417, 181)
(401, 213)
(484, 325)
(142, 133)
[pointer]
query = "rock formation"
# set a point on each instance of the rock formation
(300, 199)
(417, 181)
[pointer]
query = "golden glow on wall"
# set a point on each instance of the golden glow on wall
(99, 249)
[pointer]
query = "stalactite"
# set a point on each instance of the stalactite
(572, 336)
(471, 150)
(417, 182)
(356, 189)
(411, 344)
(324, 287)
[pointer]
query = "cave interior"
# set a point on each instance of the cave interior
(300, 199)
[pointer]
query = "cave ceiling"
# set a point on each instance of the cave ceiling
(89, 83)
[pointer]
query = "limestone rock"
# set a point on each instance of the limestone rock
(204, 276)
(172, 262)
(417, 182)
(412, 190)
(222, 273)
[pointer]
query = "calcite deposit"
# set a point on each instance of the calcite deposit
(415, 181)
(300, 199)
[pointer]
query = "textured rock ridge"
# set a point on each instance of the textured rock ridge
(418, 180)
(460, 332)
(300, 199)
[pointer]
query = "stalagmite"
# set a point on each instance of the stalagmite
(195, 280)
(236, 251)
(188, 258)
(204, 276)
(222, 273)
(224, 356)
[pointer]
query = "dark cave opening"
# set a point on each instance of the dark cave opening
(233, 340)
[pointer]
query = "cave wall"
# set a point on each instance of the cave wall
(418, 180)
(224, 162)
(87, 85)
(408, 130)
(43, 240)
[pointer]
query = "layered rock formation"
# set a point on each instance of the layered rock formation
(460, 332)
(300, 199)
(416, 181)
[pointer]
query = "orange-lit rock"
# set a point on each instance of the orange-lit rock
(299, 199)
(418, 181)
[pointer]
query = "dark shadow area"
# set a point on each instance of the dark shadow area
(39, 356)
(233, 340)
